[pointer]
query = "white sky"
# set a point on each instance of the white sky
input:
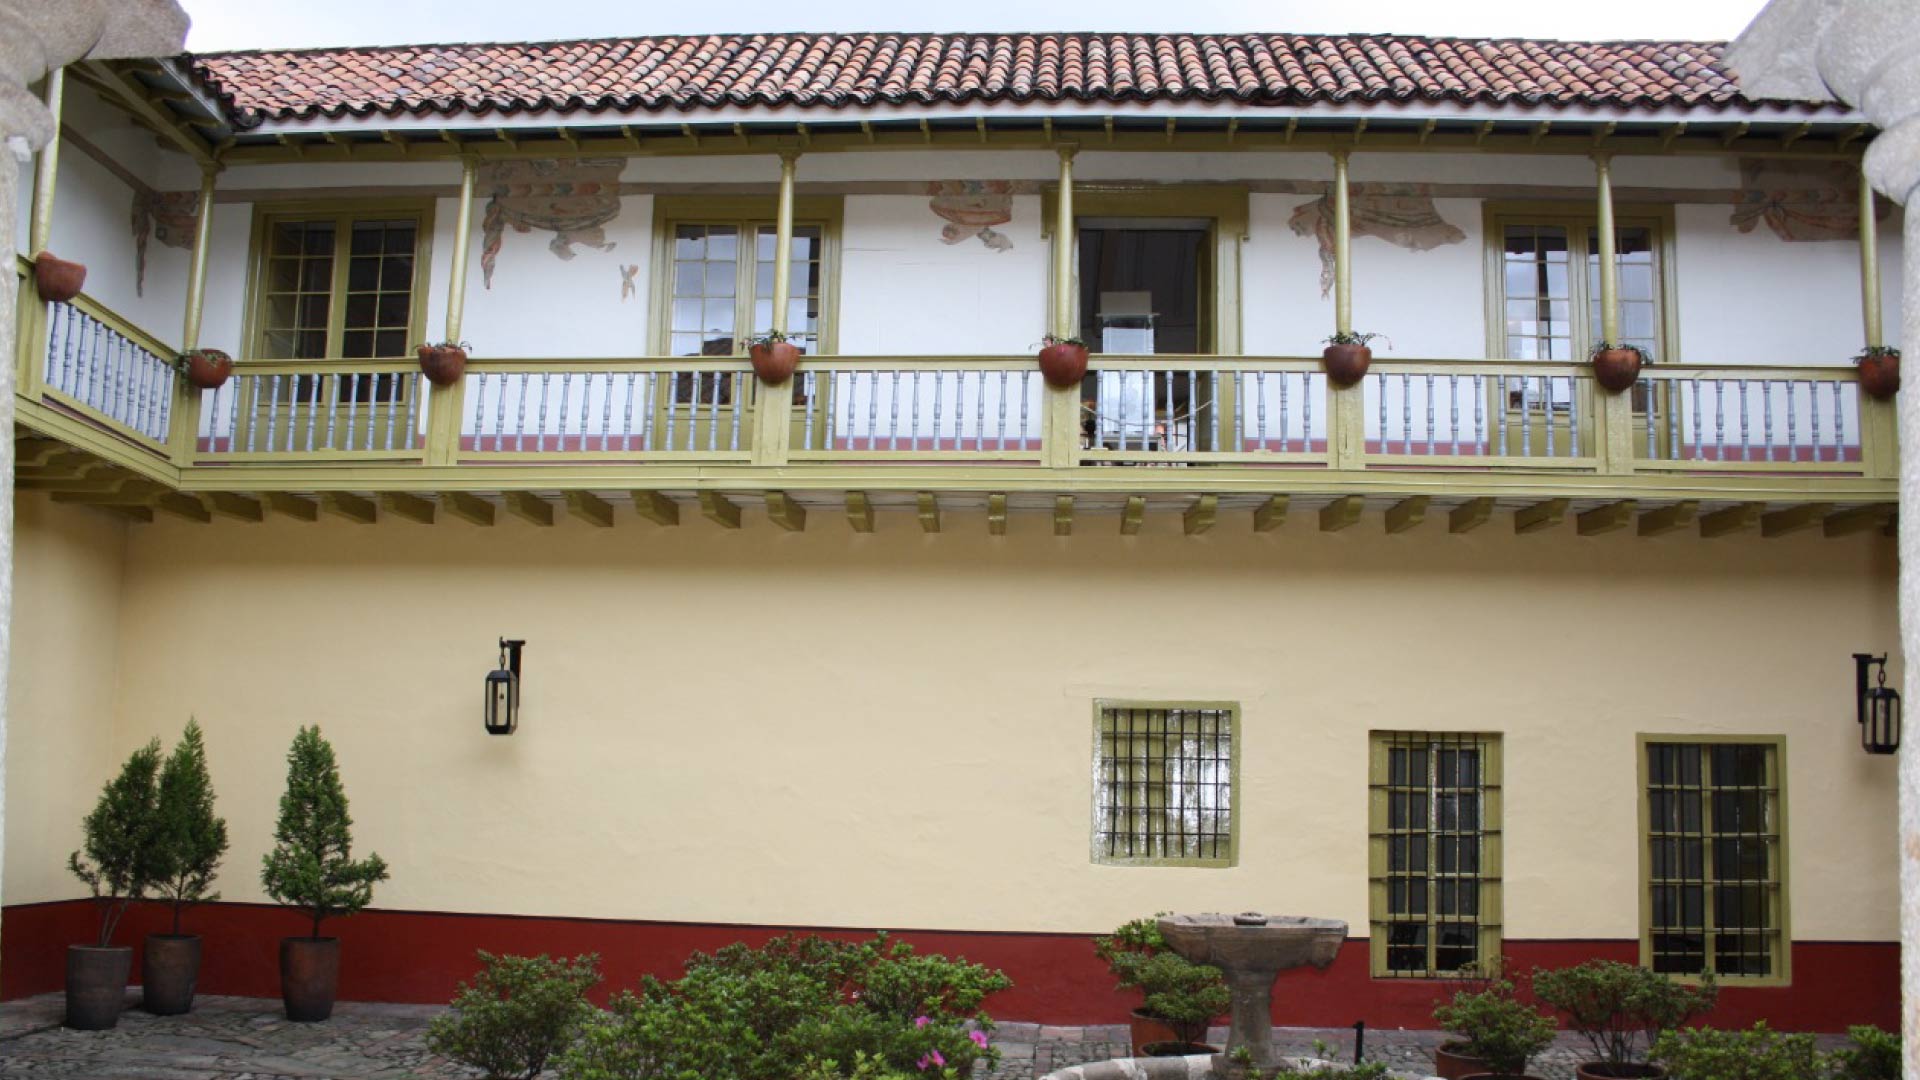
(251, 24)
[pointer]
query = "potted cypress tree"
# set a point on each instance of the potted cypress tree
(114, 864)
(188, 841)
(311, 868)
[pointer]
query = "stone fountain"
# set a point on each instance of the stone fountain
(1252, 950)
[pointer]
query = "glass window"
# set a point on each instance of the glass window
(1713, 859)
(717, 300)
(1553, 313)
(1164, 784)
(1434, 863)
(340, 286)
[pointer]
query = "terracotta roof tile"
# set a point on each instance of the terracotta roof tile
(846, 71)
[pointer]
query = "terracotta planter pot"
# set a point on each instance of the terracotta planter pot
(774, 363)
(1063, 365)
(1500, 1076)
(309, 977)
(1600, 1070)
(1346, 364)
(57, 279)
(1143, 1029)
(96, 985)
(169, 971)
(209, 369)
(1616, 369)
(1880, 376)
(442, 364)
(1450, 1062)
(1175, 1048)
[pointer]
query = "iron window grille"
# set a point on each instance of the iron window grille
(1164, 779)
(1434, 855)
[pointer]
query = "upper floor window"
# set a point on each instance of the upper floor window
(1550, 306)
(341, 284)
(718, 274)
(1164, 777)
(1434, 853)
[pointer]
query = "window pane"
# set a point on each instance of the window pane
(1163, 784)
(1718, 913)
(1432, 819)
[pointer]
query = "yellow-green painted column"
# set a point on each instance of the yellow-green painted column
(1063, 403)
(1879, 424)
(773, 407)
(1612, 413)
(1869, 264)
(40, 221)
(1346, 419)
(444, 402)
(184, 430)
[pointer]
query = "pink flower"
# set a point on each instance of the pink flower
(931, 1059)
(921, 1021)
(979, 1038)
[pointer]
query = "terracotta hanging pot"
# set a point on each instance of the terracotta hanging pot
(57, 279)
(443, 364)
(774, 361)
(1063, 363)
(1880, 374)
(1616, 370)
(309, 977)
(207, 369)
(1346, 364)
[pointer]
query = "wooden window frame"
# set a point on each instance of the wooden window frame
(1577, 219)
(1783, 931)
(1234, 790)
(345, 212)
(827, 212)
(1492, 874)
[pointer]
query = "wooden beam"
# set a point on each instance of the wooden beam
(1200, 516)
(929, 509)
(1732, 519)
(786, 513)
(141, 514)
(352, 507)
(1407, 513)
(1857, 520)
(1134, 516)
(997, 514)
(1271, 514)
(1063, 515)
(130, 491)
(1341, 513)
(413, 508)
(528, 507)
(656, 508)
(468, 507)
(33, 453)
(718, 510)
(293, 506)
(64, 464)
(1669, 518)
(860, 511)
(184, 506)
(236, 506)
(1793, 519)
(1606, 519)
(1540, 516)
(590, 508)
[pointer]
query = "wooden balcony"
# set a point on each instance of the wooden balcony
(105, 421)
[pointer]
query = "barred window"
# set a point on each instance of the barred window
(1434, 852)
(1163, 782)
(1713, 859)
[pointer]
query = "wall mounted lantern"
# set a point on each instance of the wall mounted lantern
(1879, 707)
(503, 691)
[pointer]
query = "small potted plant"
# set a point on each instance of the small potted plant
(1186, 997)
(57, 280)
(1758, 1054)
(188, 841)
(443, 362)
(205, 369)
(1617, 367)
(1879, 371)
(1063, 360)
(312, 868)
(1621, 1009)
(774, 357)
(1347, 357)
(115, 863)
(1124, 951)
(1496, 1028)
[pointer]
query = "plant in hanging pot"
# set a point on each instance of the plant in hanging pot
(188, 841)
(1497, 1028)
(1347, 357)
(774, 357)
(114, 861)
(311, 868)
(1621, 1009)
(443, 362)
(57, 280)
(1617, 367)
(1063, 360)
(1879, 371)
(205, 369)
(1137, 955)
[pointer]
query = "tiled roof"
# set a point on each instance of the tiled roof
(849, 71)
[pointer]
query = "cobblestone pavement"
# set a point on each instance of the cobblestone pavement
(233, 1038)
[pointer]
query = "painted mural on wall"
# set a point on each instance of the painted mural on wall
(1801, 201)
(971, 208)
(1401, 214)
(170, 217)
(572, 199)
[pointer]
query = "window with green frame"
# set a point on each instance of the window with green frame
(1713, 858)
(1164, 775)
(1551, 312)
(1433, 814)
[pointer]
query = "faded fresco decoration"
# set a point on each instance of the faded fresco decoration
(1801, 201)
(573, 199)
(1401, 214)
(170, 217)
(971, 208)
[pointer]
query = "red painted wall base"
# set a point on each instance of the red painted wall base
(403, 956)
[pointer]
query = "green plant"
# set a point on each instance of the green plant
(461, 345)
(117, 863)
(1497, 1027)
(1887, 351)
(1061, 339)
(1602, 346)
(188, 838)
(518, 1013)
(771, 337)
(311, 866)
(182, 361)
(1759, 1054)
(1621, 1008)
(1874, 1055)
(1348, 337)
(1185, 995)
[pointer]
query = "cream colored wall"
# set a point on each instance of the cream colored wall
(67, 578)
(833, 729)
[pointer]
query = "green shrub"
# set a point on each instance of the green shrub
(311, 866)
(1621, 1008)
(1497, 1027)
(1186, 996)
(519, 1013)
(1874, 1055)
(1759, 1054)
(188, 837)
(118, 863)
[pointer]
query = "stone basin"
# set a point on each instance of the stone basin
(1252, 950)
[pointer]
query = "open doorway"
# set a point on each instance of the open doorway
(1145, 289)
